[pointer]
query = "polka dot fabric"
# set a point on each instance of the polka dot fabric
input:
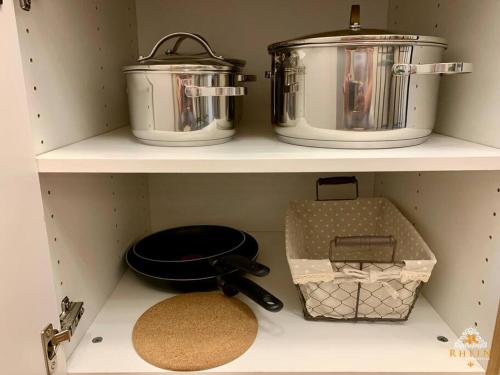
(317, 265)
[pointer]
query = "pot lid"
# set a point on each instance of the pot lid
(174, 61)
(356, 34)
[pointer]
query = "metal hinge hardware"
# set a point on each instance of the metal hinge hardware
(52, 337)
(25, 5)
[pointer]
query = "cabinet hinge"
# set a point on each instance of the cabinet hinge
(71, 313)
(25, 5)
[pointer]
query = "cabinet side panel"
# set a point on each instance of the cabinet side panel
(251, 202)
(468, 104)
(72, 55)
(27, 298)
(458, 215)
(91, 220)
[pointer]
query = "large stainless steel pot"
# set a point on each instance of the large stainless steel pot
(185, 100)
(357, 88)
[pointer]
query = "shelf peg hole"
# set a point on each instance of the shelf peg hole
(442, 338)
(31, 59)
(27, 31)
(482, 282)
(97, 340)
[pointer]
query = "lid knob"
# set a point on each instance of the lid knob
(355, 18)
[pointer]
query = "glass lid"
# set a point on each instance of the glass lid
(174, 61)
(356, 34)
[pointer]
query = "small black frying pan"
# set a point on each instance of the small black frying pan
(203, 257)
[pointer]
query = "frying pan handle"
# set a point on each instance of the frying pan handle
(245, 264)
(231, 286)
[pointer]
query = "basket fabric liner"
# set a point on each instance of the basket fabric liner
(330, 286)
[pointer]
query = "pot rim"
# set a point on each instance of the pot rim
(361, 40)
(181, 68)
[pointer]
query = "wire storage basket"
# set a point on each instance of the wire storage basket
(356, 259)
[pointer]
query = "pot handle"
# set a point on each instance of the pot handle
(244, 264)
(198, 91)
(355, 19)
(232, 285)
(438, 68)
(246, 78)
(181, 36)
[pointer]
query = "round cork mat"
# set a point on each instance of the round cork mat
(194, 331)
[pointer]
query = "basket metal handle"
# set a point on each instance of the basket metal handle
(181, 37)
(340, 180)
(366, 241)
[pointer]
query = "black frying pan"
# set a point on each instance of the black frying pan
(196, 246)
(218, 265)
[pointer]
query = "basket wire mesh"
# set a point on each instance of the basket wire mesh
(356, 300)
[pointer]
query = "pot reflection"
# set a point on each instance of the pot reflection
(357, 88)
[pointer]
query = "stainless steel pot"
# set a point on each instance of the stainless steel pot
(185, 100)
(357, 88)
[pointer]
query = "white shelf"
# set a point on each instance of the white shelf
(119, 152)
(285, 342)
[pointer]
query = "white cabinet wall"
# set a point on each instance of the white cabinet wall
(27, 299)
(102, 190)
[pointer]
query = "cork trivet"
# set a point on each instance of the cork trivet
(194, 331)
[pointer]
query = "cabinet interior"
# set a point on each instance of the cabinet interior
(454, 211)
(72, 58)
